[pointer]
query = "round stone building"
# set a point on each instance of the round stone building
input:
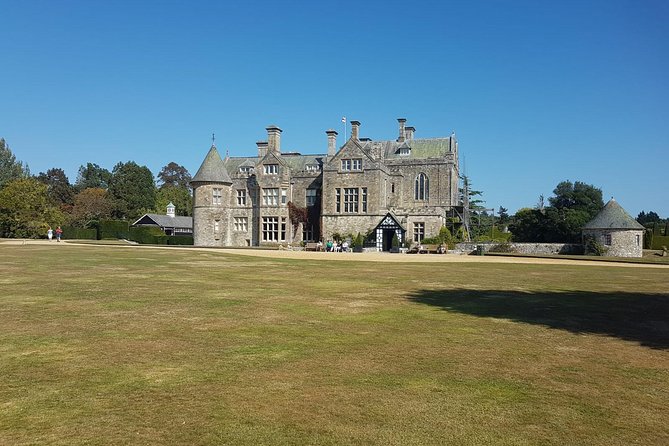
(616, 230)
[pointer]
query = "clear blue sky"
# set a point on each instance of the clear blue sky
(537, 91)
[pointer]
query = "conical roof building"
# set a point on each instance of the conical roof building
(613, 227)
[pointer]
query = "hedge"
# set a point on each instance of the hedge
(152, 235)
(180, 240)
(147, 235)
(113, 229)
(71, 233)
(659, 241)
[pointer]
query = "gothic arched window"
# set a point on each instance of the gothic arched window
(422, 189)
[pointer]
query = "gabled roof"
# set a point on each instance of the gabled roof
(212, 169)
(390, 220)
(613, 216)
(165, 221)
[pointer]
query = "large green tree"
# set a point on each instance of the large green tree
(571, 207)
(10, 168)
(92, 175)
(174, 175)
(91, 204)
(25, 209)
(180, 197)
(61, 192)
(133, 190)
(577, 196)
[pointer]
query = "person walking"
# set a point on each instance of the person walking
(49, 233)
(59, 233)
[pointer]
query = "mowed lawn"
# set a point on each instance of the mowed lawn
(108, 345)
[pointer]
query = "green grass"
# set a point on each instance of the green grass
(109, 345)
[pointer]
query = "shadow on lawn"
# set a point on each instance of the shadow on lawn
(638, 317)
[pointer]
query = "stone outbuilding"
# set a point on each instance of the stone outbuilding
(616, 230)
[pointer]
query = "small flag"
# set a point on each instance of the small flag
(343, 119)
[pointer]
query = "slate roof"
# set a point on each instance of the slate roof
(613, 216)
(420, 148)
(212, 169)
(294, 162)
(166, 221)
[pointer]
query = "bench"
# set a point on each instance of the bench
(313, 247)
(428, 249)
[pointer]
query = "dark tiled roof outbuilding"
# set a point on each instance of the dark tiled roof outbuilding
(613, 216)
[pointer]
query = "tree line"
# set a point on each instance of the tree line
(29, 204)
(559, 219)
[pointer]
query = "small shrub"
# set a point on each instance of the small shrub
(595, 248)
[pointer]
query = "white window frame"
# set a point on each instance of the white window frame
(241, 224)
(270, 229)
(418, 231)
(363, 199)
(284, 196)
(270, 196)
(241, 197)
(217, 196)
(351, 200)
(271, 169)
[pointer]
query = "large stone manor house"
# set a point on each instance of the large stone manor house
(405, 187)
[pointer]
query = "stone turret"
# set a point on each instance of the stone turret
(212, 195)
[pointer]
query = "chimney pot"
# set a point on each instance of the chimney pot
(402, 136)
(262, 148)
(355, 130)
(332, 141)
(274, 138)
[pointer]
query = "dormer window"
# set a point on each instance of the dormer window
(312, 167)
(245, 169)
(404, 151)
(271, 169)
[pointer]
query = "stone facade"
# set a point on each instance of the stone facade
(403, 186)
(618, 243)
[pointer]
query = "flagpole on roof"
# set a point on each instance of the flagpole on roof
(343, 119)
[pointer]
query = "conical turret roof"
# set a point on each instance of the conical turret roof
(212, 169)
(613, 216)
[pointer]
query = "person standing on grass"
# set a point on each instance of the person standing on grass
(59, 233)
(49, 233)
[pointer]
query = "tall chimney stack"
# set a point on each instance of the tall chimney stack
(408, 132)
(402, 136)
(332, 141)
(274, 138)
(262, 148)
(355, 130)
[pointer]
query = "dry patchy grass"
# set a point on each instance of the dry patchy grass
(103, 345)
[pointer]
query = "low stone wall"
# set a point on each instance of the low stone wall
(526, 248)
